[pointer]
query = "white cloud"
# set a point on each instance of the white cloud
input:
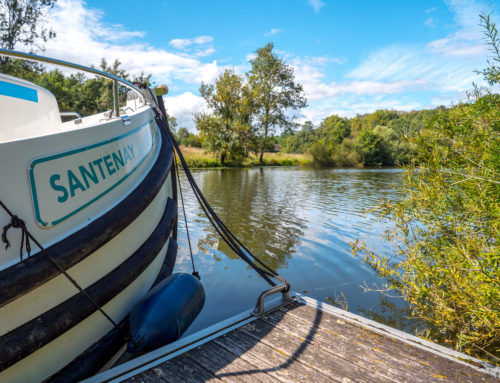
(451, 47)
(203, 39)
(250, 56)
(184, 43)
(309, 72)
(180, 43)
(466, 40)
(398, 63)
(443, 66)
(431, 22)
(316, 5)
(204, 52)
(273, 31)
(83, 37)
(182, 108)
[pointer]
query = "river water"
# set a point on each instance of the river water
(301, 223)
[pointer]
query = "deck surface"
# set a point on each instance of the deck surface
(303, 344)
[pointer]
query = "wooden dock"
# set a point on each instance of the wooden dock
(307, 342)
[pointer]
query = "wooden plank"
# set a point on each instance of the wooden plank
(303, 344)
(303, 352)
(338, 346)
(399, 351)
(148, 376)
(226, 365)
(271, 360)
(408, 356)
(180, 369)
(368, 356)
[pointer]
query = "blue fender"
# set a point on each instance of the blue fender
(165, 313)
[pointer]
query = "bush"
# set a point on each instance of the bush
(345, 154)
(321, 153)
(192, 140)
(448, 223)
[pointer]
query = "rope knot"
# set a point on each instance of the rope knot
(17, 223)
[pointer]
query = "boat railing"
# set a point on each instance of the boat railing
(117, 81)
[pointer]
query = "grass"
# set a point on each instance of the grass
(198, 158)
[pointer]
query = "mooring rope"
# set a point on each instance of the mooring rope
(18, 223)
(231, 240)
(195, 273)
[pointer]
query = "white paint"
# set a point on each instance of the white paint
(21, 118)
(64, 183)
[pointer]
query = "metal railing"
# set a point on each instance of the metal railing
(115, 79)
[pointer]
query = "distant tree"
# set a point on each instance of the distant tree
(275, 92)
(335, 129)
(381, 117)
(182, 134)
(22, 22)
(321, 153)
(226, 128)
(192, 140)
(299, 142)
(172, 123)
(370, 147)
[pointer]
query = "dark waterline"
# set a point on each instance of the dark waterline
(301, 223)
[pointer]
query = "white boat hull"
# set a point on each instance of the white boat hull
(111, 227)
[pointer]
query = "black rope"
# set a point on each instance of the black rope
(195, 273)
(16, 222)
(231, 240)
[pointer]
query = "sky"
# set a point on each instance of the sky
(351, 57)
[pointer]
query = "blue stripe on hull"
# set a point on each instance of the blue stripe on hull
(18, 91)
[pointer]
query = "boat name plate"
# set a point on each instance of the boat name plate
(65, 183)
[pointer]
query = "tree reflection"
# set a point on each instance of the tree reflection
(249, 203)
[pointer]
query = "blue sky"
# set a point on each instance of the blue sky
(352, 57)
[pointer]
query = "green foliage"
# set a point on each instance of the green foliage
(22, 22)
(334, 129)
(492, 72)
(184, 137)
(448, 226)
(379, 138)
(75, 92)
(226, 130)
(346, 155)
(300, 141)
(321, 153)
(275, 93)
(370, 147)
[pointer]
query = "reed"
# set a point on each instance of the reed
(198, 158)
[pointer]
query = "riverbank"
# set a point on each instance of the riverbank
(198, 158)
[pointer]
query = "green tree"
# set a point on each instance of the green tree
(370, 147)
(226, 129)
(334, 129)
(301, 141)
(182, 134)
(448, 224)
(321, 153)
(275, 92)
(172, 123)
(23, 22)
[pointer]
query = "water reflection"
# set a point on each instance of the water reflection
(300, 221)
(251, 204)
